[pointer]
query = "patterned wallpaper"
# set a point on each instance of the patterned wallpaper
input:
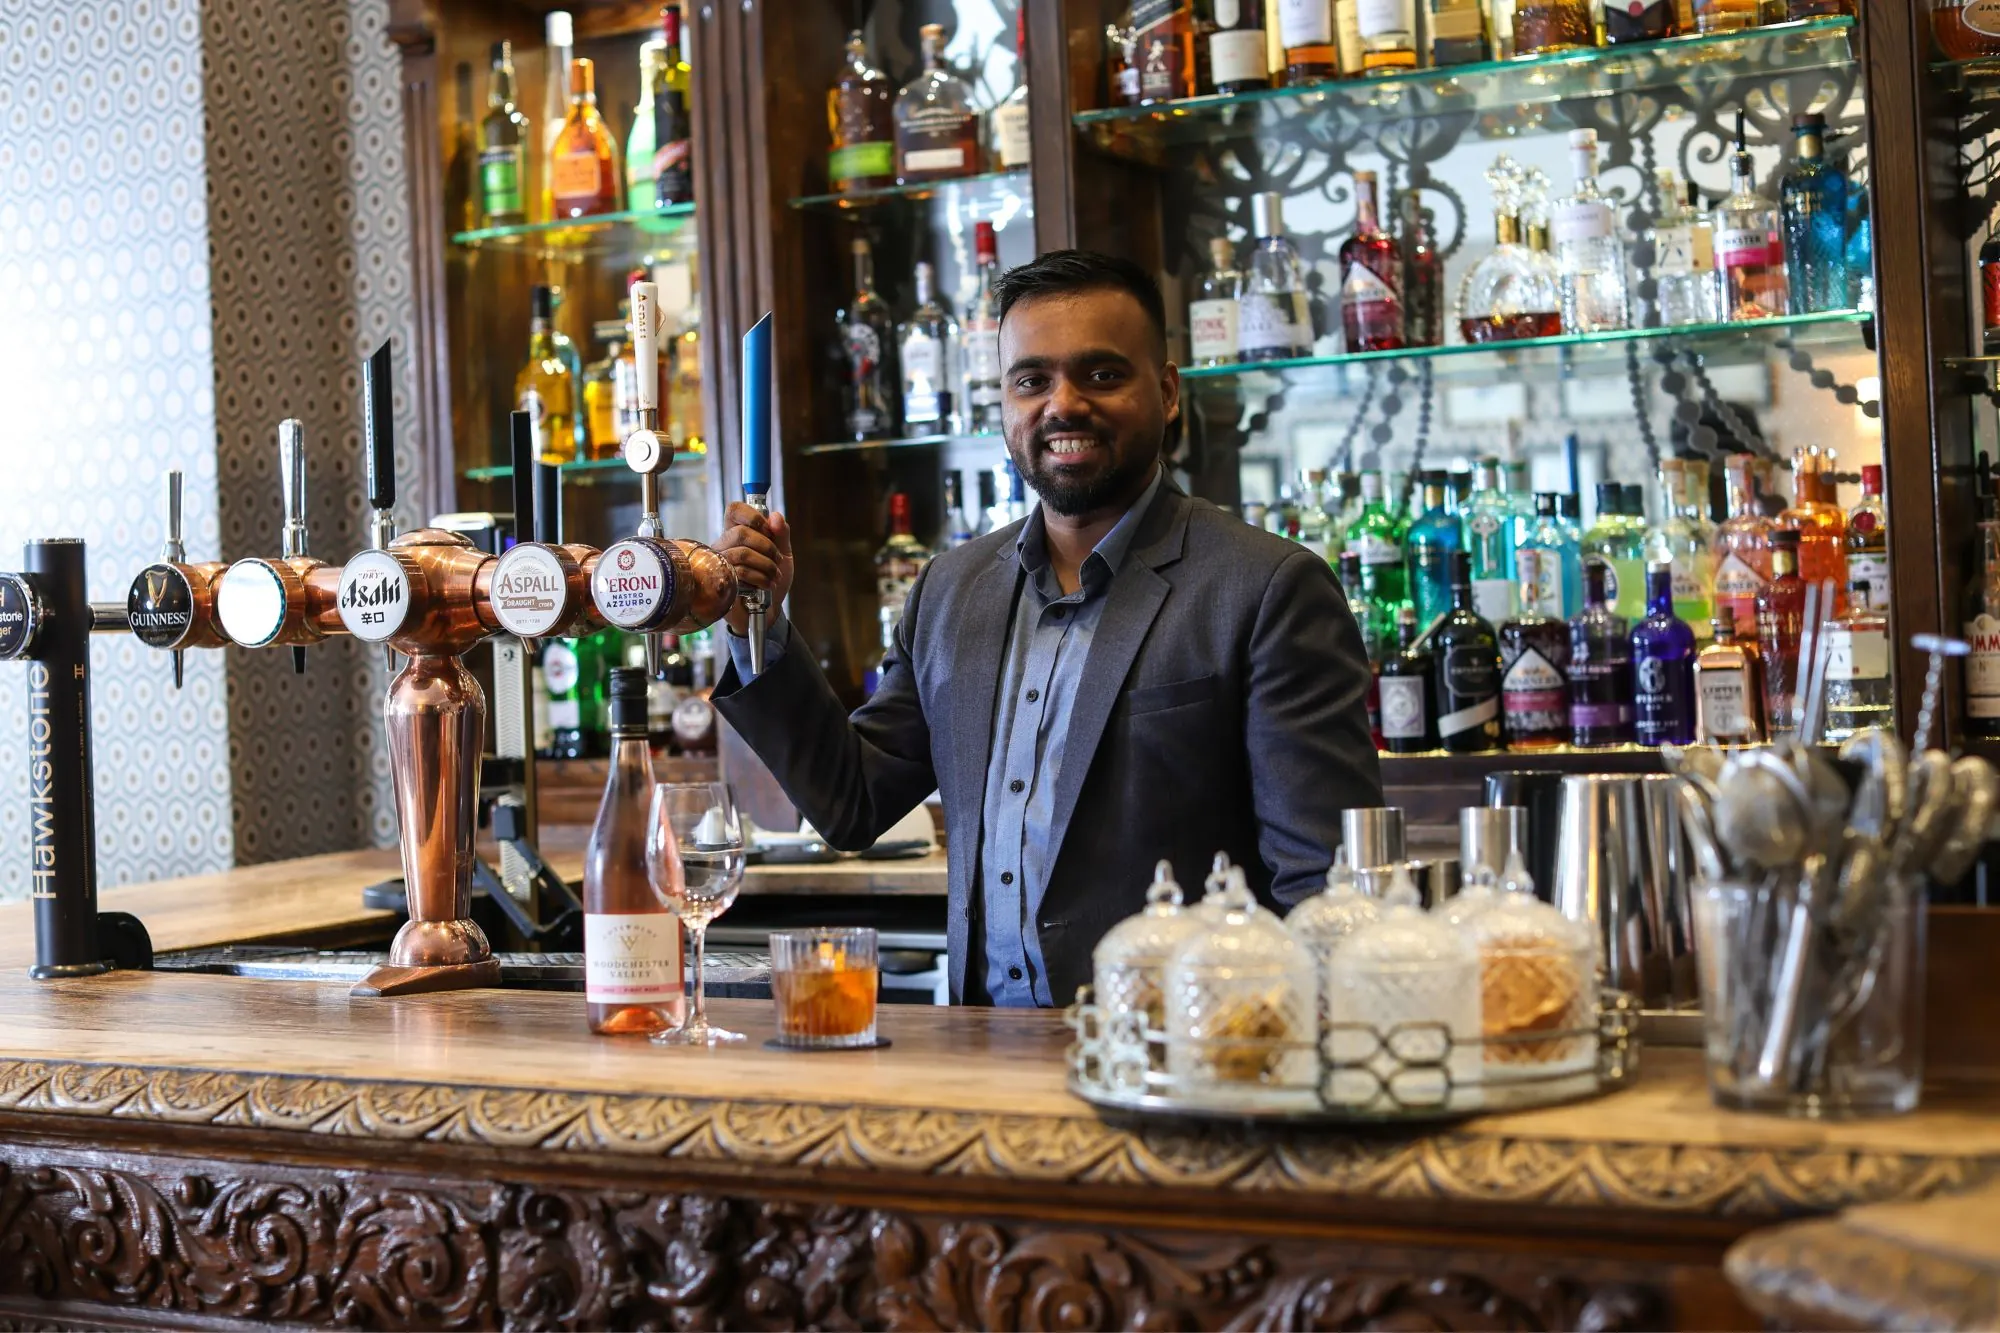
(106, 345)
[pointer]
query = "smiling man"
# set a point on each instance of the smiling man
(1127, 675)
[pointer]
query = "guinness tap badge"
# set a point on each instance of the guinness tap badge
(374, 596)
(160, 607)
(530, 591)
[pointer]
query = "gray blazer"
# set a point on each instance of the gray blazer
(1223, 709)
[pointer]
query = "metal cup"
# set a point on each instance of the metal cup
(1486, 833)
(1373, 836)
(1622, 864)
(1539, 791)
(1440, 878)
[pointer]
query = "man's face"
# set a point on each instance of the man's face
(1086, 397)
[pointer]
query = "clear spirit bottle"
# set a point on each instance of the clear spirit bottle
(1273, 322)
(1590, 254)
(1858, 688)
(1371, 277)
(1868, 540)
(1489, 533)
(1742, 547)
(937, 129)
(979, 335)
(1812, 207)
(927, 347)
(1683, 245)
(1212, 313)
(1781, 616)
(1748, 251)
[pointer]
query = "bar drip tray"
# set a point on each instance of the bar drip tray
(732, 973)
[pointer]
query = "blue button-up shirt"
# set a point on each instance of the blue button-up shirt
(1048, 645)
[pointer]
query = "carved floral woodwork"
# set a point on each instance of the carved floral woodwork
(332, 1247)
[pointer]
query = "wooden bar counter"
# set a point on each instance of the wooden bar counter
(178, 1146)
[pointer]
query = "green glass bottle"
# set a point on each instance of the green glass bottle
(1378, 539)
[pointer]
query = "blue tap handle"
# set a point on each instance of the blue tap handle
(757, 463)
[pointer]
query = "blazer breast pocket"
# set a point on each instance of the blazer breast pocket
(1176, 694)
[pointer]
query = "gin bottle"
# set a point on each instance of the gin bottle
(1371, 277)
(1590, 255)
(1813, 209)
(1676, 542)
(1683, 257)
(1378, 539)
(1428, 548)
(1748, 251)
(1982, 629)
(1534, 662)
(1663, 655)
(1272, 320)
(1742, 547)
(1600, 669)
(1408, 726)
(1467, 681)
(1858, 692)
(1552, 554)
(1729, 688)
(1489, 526)
(1212, 313)
(1613, 542)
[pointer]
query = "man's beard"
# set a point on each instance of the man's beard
(1071, 496)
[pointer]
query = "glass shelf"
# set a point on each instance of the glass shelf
(1492, 362)
(602, 234)
(1978, 79)
(984, 196)
(589, 472)
(908, 442)
(1144, 132)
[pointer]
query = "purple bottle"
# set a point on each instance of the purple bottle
(1600, 668)
(1663, 666)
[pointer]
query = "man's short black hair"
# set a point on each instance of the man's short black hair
(1064, 272)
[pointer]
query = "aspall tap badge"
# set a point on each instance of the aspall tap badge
(20, 616)
(374, 596)
(530, 591)
(631, 583)
(160, 607)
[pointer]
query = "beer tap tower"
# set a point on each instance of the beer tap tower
(431, 595)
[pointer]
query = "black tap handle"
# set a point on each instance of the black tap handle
(380, 423)
(522, 432)
(548, 504)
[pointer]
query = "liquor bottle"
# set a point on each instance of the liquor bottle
(1164, 33)
(673, 132)
(1619, 545)
(503, 147)
(1432, 539)
(1663, 654)
(1121, 61)
(1639, 20)
(1423, 276)
(639, 139)
(1812, 208)
(1858, 689)
(1378, 539)
(665, 691)
(1748, 251)
(558, 44)
(980, 341)
(1507, 294)
(1545, 26)
(1729, 688)
(901, 558)
(1535, 234)
(461, 189)
(1466, 683)
(1388, 34)
(1742, 546)
(867, 334)
(1819, 526)
(1726, 15)
(1012, 504)
(602, 436)
(937, 130)
(1375, 635)
(694, 715)
(1676, 542)
(562, 677)
(957, 523)
(1814, 9)
(584, 179)
(1008, 126)
(1489, 540)
(1237, 58)
(1319, 532)
(1600, 668)
(1868, 541)
(633, 976)
(1306, 31)
(1457, 32)
(545, 388)
(861, 122)
(1212, 313)
(687, 421)
(1405, 689)
(1371, 278)
(1982, 629)
(927, 346)
(1534, 669)
(1683, 257)
(878, 660)
(982, 517)
(1548, 543)
(1781, 616)
(1272, 322)
(1965, 29)
(1590, 255)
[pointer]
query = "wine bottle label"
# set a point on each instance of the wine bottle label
(1237, 56)
(1493, 599)
(861, 161)
(1982, 16)
(577, 177)
(1380, 18)
(1982, 668)
(1211, 330)
(1273, 322)
(1856, 654)
(1580, 220)
(631, 957)
(1305, 22)
(631, 583)
(1874, 571)
(1723, 696)
(1402, 699)
(1011, 142)
(374, 596)
(500, 175)
(559, 668)
(1745, 247)
(1376, 550)
(530, 590)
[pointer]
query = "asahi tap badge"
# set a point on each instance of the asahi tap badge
(374, 596)
(530, 591)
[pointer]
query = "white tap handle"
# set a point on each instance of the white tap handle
(646, 344)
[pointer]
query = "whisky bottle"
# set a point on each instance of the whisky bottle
(1237, 58)
(1388, 34)
(1306, 31)
(1164, 34)
(1729, 688)
(544, 388)
(634, 981)
(503, 151)
(584, 179)
(858, 115)
(937, 130)
(867, 335)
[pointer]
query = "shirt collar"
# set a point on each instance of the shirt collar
(1111, 548)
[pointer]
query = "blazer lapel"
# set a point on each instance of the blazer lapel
(978, 636)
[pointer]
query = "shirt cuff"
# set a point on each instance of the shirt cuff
(777, 636)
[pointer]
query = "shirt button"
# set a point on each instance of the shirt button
(1016, 785)
(1034, 695)
(1013, 974)
(1006, 877)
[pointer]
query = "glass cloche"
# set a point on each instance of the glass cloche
(1129, 966)
(1325, 919)
(1404, 1011)
(1537, 987)
(1243, 1010)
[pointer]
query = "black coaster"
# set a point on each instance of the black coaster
(773, 1044)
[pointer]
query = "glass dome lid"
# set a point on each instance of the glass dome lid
(1148, 937)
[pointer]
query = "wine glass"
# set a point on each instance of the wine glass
(694, 861)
